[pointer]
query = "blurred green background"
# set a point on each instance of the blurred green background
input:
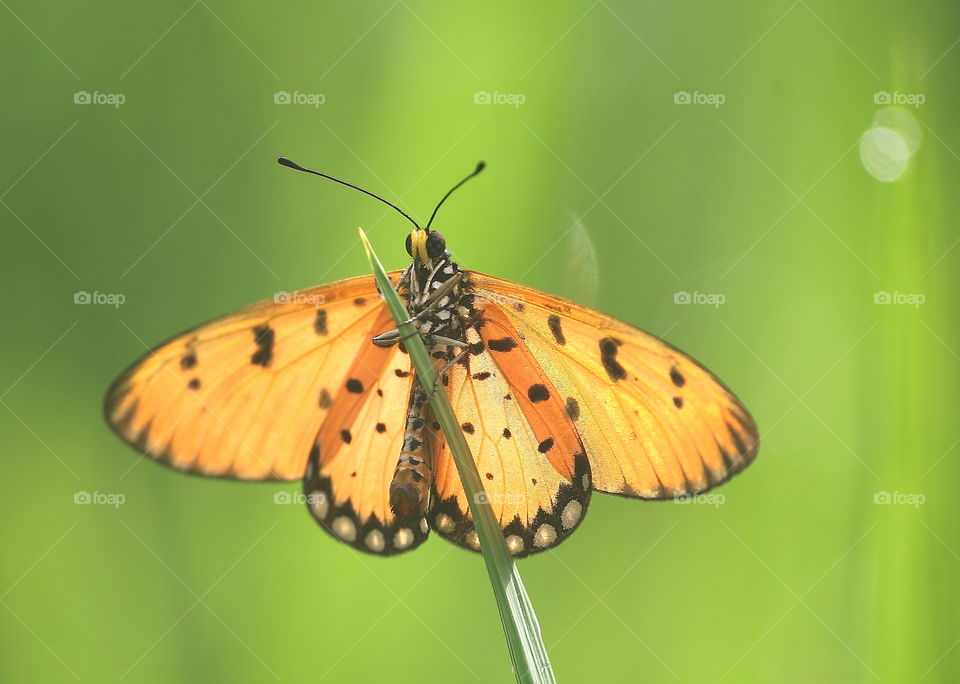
(636, 152)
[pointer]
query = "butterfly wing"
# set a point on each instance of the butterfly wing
(351, 466)
(245, 395)
(528, 453)
(654, 423)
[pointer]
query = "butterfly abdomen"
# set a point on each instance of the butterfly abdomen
(410, 487)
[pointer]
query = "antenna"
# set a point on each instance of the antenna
(283, 161)
(477, 170)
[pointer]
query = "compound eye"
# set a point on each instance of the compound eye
(436, 245)
(409, 244)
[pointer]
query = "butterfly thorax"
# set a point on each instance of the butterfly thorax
(435, 291)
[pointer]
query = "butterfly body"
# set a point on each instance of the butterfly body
(555, 401)
(410, 487)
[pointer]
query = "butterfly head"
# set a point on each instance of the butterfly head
(425, 245)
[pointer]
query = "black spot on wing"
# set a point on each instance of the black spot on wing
(468, 428)
(676, 377)
(401, 373)
(553, 322)
(354, 386)
(194, 383)
(263, 338)
(573, 408)
(346, 436)
(538, 392)
(546, 445)
(359, 301)
(678, 402)
(506, 433)
(608, 357)
(324, 399)
(188, 360)
(504, 344)
(481, 376)
(381, 427)
(320, 322)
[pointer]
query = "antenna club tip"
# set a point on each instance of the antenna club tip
(481, 166)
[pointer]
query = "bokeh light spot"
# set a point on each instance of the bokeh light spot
(886, 147)
(884, 154)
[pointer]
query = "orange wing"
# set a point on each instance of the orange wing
(654, 423)
(245, 395)
(527, 450)
(347, 482)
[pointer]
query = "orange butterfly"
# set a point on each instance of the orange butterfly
(555, 400)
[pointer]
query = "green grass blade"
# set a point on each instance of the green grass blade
(520, 626)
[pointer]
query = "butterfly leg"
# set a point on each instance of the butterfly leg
(429, 300)
(411, 482)
(392, 337)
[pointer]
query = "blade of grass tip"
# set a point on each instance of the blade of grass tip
(520, 626)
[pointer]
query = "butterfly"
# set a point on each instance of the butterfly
(555, 400)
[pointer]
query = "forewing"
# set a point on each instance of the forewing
(245, 395)
(654, 422)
